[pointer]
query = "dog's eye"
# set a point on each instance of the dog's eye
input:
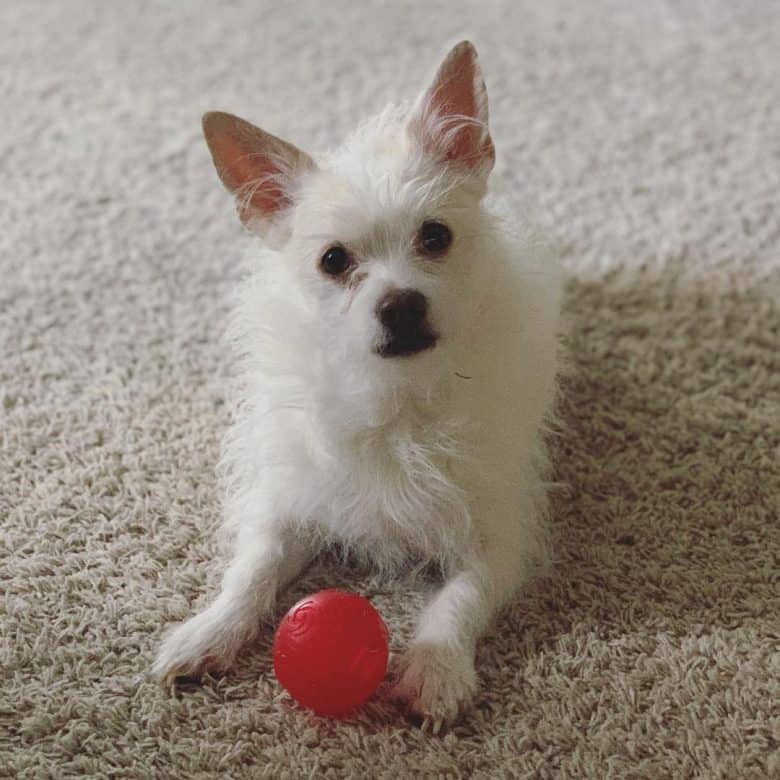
(335, 261)
(435, 238)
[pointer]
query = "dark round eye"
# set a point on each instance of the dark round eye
(335, 261)
(435, 237)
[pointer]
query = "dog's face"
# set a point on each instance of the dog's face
(383, 238)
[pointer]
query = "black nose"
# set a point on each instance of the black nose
(402, 310)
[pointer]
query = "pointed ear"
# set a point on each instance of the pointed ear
(450, 119)
(258, 168)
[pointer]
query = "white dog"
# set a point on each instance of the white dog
(398, 344)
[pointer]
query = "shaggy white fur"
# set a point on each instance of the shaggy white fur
(435, 455)
(643, 134)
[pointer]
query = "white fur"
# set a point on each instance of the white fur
(437, 456)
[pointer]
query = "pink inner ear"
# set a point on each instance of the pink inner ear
(456, 99)
(250, 174)
(255, 166)
(457, 105)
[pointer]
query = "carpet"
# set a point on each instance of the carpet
(644, 136)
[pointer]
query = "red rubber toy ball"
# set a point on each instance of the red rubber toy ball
(330, 652)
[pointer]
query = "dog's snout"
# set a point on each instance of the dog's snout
(407, 330)
(402, 309)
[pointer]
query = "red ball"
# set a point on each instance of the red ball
(330, 651)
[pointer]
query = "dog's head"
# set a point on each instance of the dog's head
(384, 237)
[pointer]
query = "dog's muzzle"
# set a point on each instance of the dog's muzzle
(404, 317)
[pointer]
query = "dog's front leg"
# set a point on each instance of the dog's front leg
(266, 558)
(435, 677)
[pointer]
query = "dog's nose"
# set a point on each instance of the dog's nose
(402, 309)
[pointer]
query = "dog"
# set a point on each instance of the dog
(397, 339)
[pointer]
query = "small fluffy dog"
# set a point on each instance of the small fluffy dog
(398, 345)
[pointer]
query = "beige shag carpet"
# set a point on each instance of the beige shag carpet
(646, 135)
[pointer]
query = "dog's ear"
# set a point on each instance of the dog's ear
(258, 168)
(450, 119)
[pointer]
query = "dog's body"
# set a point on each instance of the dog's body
(398, 340)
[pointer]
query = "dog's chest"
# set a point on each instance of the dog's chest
(396, 489)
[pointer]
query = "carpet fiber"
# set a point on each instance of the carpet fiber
(645, 135)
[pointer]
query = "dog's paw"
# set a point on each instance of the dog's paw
(435, 683)
(205, 643)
